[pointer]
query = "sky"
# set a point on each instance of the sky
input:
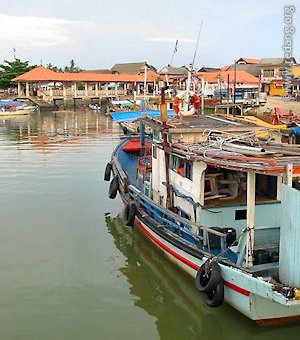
(99, 33)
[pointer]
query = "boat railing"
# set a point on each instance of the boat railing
(120, 172)
(189, 231)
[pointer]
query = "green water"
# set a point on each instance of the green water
(69, 268)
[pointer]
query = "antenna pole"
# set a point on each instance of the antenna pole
(195, 53)
(175, 50)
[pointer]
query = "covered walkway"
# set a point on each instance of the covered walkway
(49, 85)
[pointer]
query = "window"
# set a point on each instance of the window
(154, 151)
(181, 166)
(281, 72)
(241, 214)
(268, 73)
(182, 213)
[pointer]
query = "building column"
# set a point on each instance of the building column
(64, 92)
(75, 89)
(106, 89)
(27, 89)
(86, 89)
(19, 89)
(97, 89)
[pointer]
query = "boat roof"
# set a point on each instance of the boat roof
(223, 141)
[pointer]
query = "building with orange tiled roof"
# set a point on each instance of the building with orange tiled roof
(240, 85)
(64, 84)
(242, 78)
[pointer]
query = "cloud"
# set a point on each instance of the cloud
(37, 32)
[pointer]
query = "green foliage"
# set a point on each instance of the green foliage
(12, 69)
(72, 68)
(54, 68)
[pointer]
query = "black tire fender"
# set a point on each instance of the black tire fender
(107, 172)
(129, 214)
(113, 187)
(215, 297)
(208, 276)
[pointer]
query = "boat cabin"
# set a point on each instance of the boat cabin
(217, 174)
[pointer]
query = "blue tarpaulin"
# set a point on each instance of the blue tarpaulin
(10, 103)
(295, 131)
(131, 115)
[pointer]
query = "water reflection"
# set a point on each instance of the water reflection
(50, 130)
(169, 295)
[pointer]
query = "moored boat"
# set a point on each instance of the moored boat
(221, 205)
(15, 107)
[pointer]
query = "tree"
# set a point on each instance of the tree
(12, 69)
(54, 68)
(72, 68)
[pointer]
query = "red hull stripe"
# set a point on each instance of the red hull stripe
(237, 288)
(186, 261)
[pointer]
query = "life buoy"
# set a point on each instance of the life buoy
(184, 96)
(208, 276)
(215, 297)
(107, 172)
(113, 187)
(129, 214)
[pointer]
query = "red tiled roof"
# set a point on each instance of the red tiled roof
(38, 73)
(250, 60)
(41, 73)
(241, 77)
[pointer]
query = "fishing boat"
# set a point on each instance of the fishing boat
(15, 107)
(219, 203)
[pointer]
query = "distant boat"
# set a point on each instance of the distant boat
(15, 107)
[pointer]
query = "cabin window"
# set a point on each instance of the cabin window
(156, 136)
(181, 166)
(154, 151)
(188, 170)
(182, 213)
(241, 214)
(266, 187)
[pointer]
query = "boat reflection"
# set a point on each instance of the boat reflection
(50, 130)
(169, 295)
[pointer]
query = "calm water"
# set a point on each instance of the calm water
(69, 269)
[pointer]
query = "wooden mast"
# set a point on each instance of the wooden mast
(250, 217)
(164, 119)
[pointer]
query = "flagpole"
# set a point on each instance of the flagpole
(175, 50)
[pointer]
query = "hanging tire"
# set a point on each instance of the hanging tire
(129, 214)
(107, 172)
(208, 276)
(215, 297)
(113, 187)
